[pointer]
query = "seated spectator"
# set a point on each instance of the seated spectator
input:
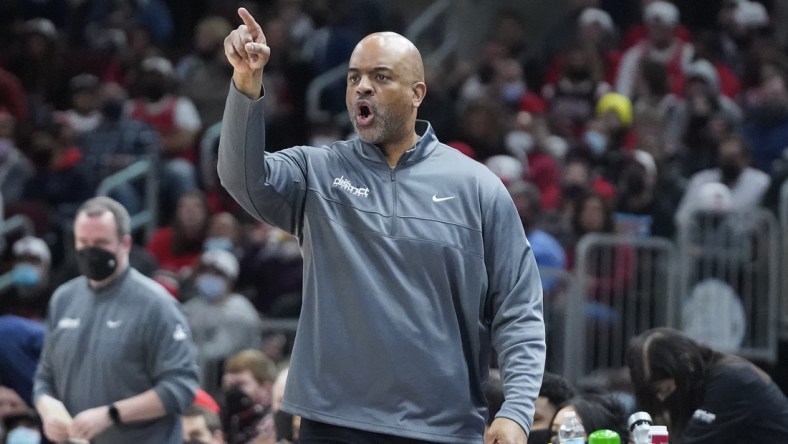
(176, 120)
(203, 74)
(15, 168)
(554, 393)
(117, 142)
(178, 246)
(701, 116)
(747, 185)
(272, 272)
(222, 322)
(30, 290)
(765, 124)
(61, 181)
(661, 44)
(201, 426)
(704, 396)
(247, 385)
(578, 86)
(20, 348)
(84, 114)
(596, 412)
(548, 252)
(224, 233)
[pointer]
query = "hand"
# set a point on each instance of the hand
(90, 423)
(56, 429)
(247, 51)
(55, 418)
(505, 431)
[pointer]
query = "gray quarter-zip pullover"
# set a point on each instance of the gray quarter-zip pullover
(410, 275)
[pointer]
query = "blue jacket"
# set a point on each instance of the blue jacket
(410, 275)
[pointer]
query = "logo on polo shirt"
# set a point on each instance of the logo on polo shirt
(345, 184)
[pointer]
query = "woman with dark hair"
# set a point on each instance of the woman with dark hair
(178, 246)
(596, 412)
(702, 395)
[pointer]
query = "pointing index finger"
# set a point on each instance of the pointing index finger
(251, 24)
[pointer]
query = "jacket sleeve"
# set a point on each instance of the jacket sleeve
(269, 186)
(171, 357)
(44, 378)
(515, 296)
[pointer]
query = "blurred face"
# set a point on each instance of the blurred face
(576, 174)
(86, 101)
(659, 32)
(10, 403)
(224, 225)
(730, 153)
(195, 428)
(249, 385)
(592, 217)
(191, 212)
(544, 412)
(663, 388)
(384, 89)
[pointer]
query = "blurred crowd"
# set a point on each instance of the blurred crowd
(602, 124)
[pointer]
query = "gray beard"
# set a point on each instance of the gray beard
(385, 125)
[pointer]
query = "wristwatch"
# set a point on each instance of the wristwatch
(114, 414)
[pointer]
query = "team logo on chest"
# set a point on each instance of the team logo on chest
(346, 185)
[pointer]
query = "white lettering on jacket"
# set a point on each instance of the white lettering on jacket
(344, 184)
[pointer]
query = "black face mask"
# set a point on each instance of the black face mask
(730, 170)
(96, 263)
(112, 110)
(540, 436)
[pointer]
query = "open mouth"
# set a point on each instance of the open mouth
(364, 113)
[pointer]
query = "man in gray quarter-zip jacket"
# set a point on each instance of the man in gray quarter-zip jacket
(415, 261)
(118, 355)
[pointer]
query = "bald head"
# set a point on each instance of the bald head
(396, 50)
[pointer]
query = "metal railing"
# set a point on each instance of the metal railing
(563, 308)
(146, 168)
(626, 285)
(730, 284)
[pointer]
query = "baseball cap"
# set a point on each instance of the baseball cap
(159, 65)
(41, 26)
(84, 82)
(30, 246)
(596, 15)
(662, 11)
(221, 260)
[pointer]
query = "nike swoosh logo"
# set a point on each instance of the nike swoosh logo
(114, 324)
(435, 198)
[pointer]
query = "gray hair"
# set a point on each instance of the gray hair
(100, 205)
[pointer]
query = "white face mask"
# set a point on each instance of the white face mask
(211, 286)
(23, 435)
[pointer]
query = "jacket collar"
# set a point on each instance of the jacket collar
(424, 147)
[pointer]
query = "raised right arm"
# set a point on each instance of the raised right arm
(270, 187)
